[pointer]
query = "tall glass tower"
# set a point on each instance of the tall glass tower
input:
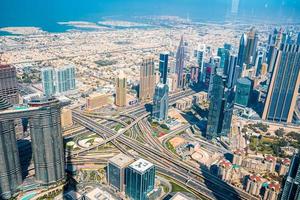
(160, 102)
(284, 86)
(291, 188)
(163, 67)
(147, 79)
(140, 179)
(48, 81)
(180, 56)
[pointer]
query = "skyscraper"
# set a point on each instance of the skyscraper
(47, 141)
(298, 39)
(243, 91)
(58, 81)
(65, 79)
(121, 90)
(242, 50)
(200, 60)
(231, 70)
(291, 187)
(116, 170)
(140, 179)
(224, 56)
(194, 74)
(252, 41)
(10, 169)
(160, 102)
(8, 84)
(163, 67)
(180, 57)
(283, 88)
(216, 106)
(147, 79)
(48, 80)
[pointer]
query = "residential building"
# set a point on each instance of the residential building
(121, 90)
(8, 84)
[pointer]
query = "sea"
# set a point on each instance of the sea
(47, 13)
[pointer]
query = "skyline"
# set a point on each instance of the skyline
(47, 14)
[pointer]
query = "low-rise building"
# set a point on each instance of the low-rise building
(254, 184)
(66, 118)
(96, 101)
(272, 191)
(284, 167)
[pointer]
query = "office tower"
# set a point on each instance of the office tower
(227, 46)
(208, 74)
(48, 81)
(140, 179)
(172, 82)
(271, 57)
(10, 169)
(298, 39)
(47, 141)
(65, 79)
(244, 88)
(147, 79)
(224, 58)
(194, 74)
(180, 56)
(160, 102)
(226, 117)
(214, 124)
(242, 50)
(291, 188)
(8, 84)
(237, 74)
(116, 171)
(232, 63)
(283, 88)
(252, 41)
(58, 81)
(163, 67)
(200, 61)
(121, 90)
(260, 59)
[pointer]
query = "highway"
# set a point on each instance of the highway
(196, 178)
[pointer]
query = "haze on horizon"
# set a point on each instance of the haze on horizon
(37, 13)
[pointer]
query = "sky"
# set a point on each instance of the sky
(39, 12)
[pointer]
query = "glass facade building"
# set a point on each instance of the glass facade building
(163, 67)
(291, 187)
(140, 179)
(284, 85)
(56, 81)
(243, 91)
(114, 174)
(160, 105)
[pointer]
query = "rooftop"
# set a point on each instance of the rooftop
(180, 196)
(141, 165)
(121, 160)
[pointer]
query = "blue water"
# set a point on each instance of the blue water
(47, 13)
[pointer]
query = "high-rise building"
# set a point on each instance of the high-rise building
(252, 41)
(10, 169)
(47, 141)
(284, 85)
(121, 90)
(226, 116)
(194, 74)
(116, 171)
(260, 59)
(298, 39)
(147, 79)
(48, 80)
(163, 67)
(244, 88)
(224, 55)
(160, 102)
(291, 188)
(58, 81)
(231, 70)
(8, 84)
(216, 106)
(200, 61)
(65, 79)
(140, 179)
(180, 62)
(242, 50)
